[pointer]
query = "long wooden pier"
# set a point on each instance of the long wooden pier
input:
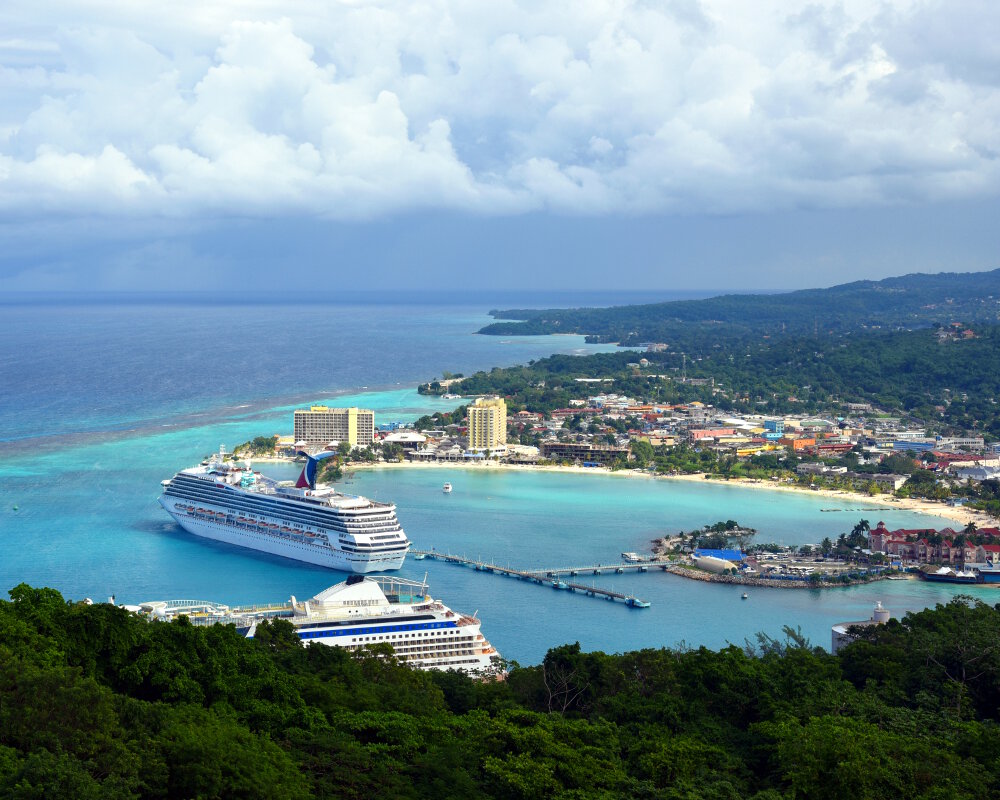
(548, 577)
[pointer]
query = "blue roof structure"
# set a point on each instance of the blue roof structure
(728, 555)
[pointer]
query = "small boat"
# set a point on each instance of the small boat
(446, 488)
(420, 556)
(559, 585)
(635, 602)
(745, 595)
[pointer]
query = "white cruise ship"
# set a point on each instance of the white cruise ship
(318, 525)
(361, 612)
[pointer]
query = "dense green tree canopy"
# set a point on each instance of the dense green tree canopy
(98, 703)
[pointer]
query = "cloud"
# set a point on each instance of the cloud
(356, 110)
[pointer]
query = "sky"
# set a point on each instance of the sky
(680, 144)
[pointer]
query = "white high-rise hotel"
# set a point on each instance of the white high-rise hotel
(320, 425)
(488, 424)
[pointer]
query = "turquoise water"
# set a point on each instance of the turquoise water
(544, 519)
(104, 413)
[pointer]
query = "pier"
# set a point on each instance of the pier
(548, 577)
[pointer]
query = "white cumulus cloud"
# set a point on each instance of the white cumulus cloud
(358, 109)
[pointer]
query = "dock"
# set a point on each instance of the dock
(548, 577)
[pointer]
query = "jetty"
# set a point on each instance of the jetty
(548, 577)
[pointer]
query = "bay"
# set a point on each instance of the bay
(102, 401)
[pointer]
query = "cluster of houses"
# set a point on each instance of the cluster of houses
(929, 546)
(589, 431)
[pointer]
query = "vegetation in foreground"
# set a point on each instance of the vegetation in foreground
(97, 703)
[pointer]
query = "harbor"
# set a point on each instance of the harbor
(548, 577)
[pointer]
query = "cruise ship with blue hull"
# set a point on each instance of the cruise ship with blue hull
(358, 614)
(227, 503)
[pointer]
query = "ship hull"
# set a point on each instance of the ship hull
(463, 656)
(322, 556)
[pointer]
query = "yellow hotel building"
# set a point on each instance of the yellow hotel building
(488, 424)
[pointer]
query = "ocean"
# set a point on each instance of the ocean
(102, 398)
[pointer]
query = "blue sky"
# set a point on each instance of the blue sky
(669, 145)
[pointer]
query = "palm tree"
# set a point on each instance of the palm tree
(861, 528)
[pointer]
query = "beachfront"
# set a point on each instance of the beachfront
(862, 503)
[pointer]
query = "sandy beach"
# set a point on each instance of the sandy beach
(847, 500)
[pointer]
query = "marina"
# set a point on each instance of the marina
(548, 577)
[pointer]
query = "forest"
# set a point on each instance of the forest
(952, 384)
(906, 302)
(96, 702)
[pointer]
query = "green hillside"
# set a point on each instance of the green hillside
(910, 301)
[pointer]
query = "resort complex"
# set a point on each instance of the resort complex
(487, 424)
(323, 426)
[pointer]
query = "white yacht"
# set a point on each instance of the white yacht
(358, 613)
(219, 500)
(446, 488)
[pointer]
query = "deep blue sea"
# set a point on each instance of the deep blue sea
(102, 397)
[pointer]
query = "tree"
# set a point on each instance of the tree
(258, 446)
(330, 471)
(642, 451)
(392, 452)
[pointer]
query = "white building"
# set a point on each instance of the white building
(319, 426)
(841, 635)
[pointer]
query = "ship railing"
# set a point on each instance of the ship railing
(416, 591)
(262, 608)
(188, 606)
(207, 620)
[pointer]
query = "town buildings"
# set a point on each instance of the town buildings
(584, 452)
(927, 545)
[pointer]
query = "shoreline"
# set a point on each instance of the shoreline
(957, 514)
(763, 583)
